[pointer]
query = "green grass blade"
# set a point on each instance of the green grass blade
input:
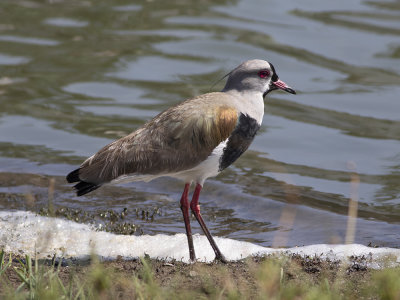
(22, 276)
(64, 290)
(2, 259)
(3, 267)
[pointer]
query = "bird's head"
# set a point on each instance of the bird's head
(256, 76)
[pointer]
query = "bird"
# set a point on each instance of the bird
(191, 141)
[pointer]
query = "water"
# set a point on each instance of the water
(75, 75)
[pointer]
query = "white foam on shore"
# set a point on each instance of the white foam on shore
(23, 232)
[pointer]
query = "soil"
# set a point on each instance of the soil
(203, 278)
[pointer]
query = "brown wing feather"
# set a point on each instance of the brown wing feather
(177, 139)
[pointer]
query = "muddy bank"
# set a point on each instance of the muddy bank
(248, 278)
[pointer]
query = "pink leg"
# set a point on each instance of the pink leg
(195, 207)
(186, 218)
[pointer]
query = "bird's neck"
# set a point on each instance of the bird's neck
(250, 103)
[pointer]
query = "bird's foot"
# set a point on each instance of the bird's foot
(221, 258)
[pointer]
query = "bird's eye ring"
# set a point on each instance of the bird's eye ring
(263, 74)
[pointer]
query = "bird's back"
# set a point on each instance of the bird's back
(175, 140)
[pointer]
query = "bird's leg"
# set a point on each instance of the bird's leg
(195, 207)
(185, 211)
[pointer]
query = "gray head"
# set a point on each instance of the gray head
(256, 76)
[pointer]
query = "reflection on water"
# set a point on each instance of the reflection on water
(76, 75)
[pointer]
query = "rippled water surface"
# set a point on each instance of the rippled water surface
(75, 75)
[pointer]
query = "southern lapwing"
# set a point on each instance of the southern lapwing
(191, 141)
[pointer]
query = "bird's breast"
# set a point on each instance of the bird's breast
(239, 140)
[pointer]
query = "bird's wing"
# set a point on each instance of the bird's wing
(175, 140)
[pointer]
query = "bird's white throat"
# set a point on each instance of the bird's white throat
(249, 103)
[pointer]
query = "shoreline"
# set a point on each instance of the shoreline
(254, 277)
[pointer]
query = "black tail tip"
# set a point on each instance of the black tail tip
(73, 176)
(83, 187)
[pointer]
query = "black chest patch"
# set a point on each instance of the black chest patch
(239, 141)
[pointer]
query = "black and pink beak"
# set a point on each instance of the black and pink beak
(279, 84)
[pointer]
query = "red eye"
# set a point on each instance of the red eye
(263, 74)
